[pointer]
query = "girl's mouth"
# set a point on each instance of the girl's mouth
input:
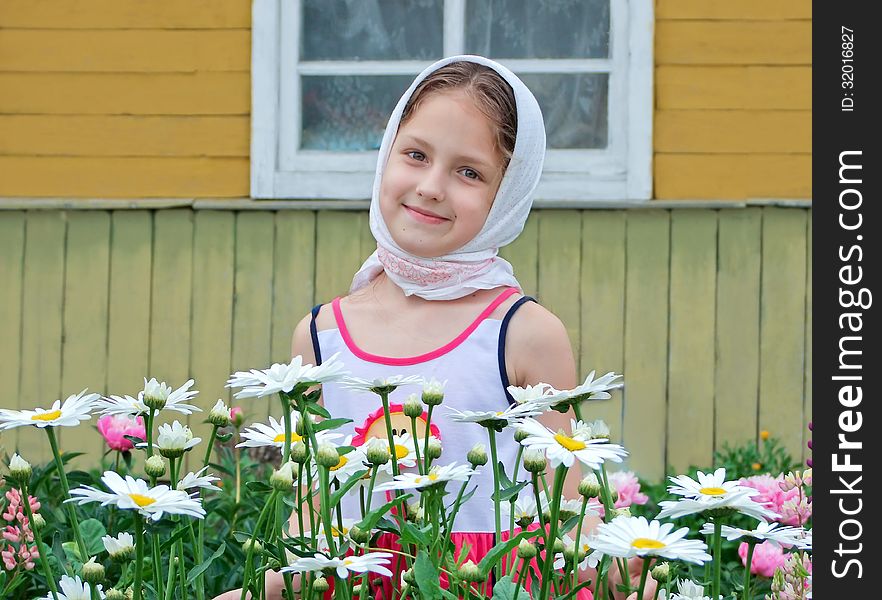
(423, 217)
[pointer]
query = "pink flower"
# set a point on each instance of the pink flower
(114, 427)
(9, 559)
(793, 510)
(627, 486)
(767, 557)
(237, 416)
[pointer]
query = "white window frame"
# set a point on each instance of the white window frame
(620, 173)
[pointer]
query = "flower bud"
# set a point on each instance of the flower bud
(520, 435)
(433, 392)
(356, 590)
(378, 452)
(477, 456)
(114, 594)
(327, 456)
(569, 554)
(661, 572)
(558, 546)
(408, 577)
(219, 415)
(534, 461)
(283, 478)
(19, 469)
(237, 416)
(39, 521)
(599, 429)
(413, 407)
(470, 572)
(155, 394)
(359, 535)
(527, 550)
(614, 495)
(93, 572)
(257, 546)
(154, 466)
(320, 585)
(590, 487)
(620, 512)
(414, 511)
(299, 453)
(433, 449)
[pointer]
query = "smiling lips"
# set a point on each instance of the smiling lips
(424, 216)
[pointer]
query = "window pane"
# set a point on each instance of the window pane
(538, 29)
(574, 108)
(347, 113)
(372, 29)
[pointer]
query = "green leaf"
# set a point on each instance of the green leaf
(510, 492)
(178, 534)
(92, 531)
(258, 487)
(507, 589)
(72, 552)
(224, 437)
(427, 578)
(330, 424)
(319, 410)
(504, 481)
(500, 550)
(352, 481)
(370, 520)
(411, 535)
(198, 570)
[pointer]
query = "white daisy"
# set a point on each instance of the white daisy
(349, 463)
(567, 507)
(331, 369)
(806, 542)
(198, 480)
(437, 475)
(540, 395)
(709, 485)
(381, 384)
(69, 413)
(342, 541)
(592, 557)
(159, 392)
(524, 509)
(369, 562)
(689, 590)
(594, 389)
(121, 545)
(173, 440)
(136, 494)
(432, 386)
(490, 418)
(561, 448)
(260, 434)
(405, 453)
(784, 535)
(73, 588)
(736, 501)
(280, 377)
(626, 537)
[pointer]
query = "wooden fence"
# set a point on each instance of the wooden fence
(705, 311)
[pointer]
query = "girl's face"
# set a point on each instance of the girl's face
(441, 177)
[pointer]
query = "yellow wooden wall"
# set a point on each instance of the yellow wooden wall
(706, 312)
(126, 98)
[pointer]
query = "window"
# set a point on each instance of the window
(326, 74)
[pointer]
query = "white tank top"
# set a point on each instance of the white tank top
(473, 364)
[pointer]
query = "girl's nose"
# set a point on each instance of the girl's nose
(431, 185)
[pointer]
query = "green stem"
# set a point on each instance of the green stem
(495, 463)
(521, 577)
(286, 413)
(416, 445)
(452, 518)
(172, 571)
(157, 562)
(38, 538)
(149, 431)
(370, 492)
(559, 477)
(139, 554)
(428, 435)
(718, 546)
(643, 573)
(249, 556)
(578, 542)
(751, 544)
(200, 591)
(71, 509)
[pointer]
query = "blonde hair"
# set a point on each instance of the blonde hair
(492, 95)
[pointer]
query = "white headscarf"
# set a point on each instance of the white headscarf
(475, 266)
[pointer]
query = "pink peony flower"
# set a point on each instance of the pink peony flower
(767, 557)
(113, 428)
(627, 486)
(793, 511)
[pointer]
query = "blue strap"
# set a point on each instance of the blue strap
(314, 333)
(503, 331)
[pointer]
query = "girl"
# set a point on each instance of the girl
(459, 161)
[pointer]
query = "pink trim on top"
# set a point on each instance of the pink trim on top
(413, 360)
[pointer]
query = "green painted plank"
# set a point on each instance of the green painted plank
(252, 307)
(41, 331)
(602, 282)
(523, 254)
(171, 300)
(366, 241)
(212, 319)
(560, 234)
(807, 385)
(12, 244)
(128, 330)
(646, 341)
(84, 351)
(293, 277)
(690, 426)
(339, 252)
(738, 326)
(782, 333)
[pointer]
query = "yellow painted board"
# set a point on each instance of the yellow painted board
(212, 319)
(782, 334)
(690, 423)
(732, 176)
(732, 131)
(807, 385)
(197, 93)
(124, 135)
(170, 310)
(741, 10)
(733, 87)
(125, 14)
(105, 177)
(128, 328)
(12, 245)
(84, 351)
(560, 253)
(602, 282)
(293, 277)
(646, 341)
(523, 254)
(733, 42)
(738, 326)
(339, 253)
(125, 51)
(252, 305)
(41, 331)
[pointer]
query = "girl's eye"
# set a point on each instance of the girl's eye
(471, 173)
(416, 155)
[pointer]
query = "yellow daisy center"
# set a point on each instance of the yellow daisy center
(647, 544)
(336, 532)
(347, 561)
(499, 413)
(430, 477)
(343, 461)
(401, 451)
(47, 416)
(142, 501)
(569, 443)
(294, 438)
(713, 491)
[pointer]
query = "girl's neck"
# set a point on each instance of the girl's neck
(385, 292)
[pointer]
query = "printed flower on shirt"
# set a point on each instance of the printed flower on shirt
(374, 425)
